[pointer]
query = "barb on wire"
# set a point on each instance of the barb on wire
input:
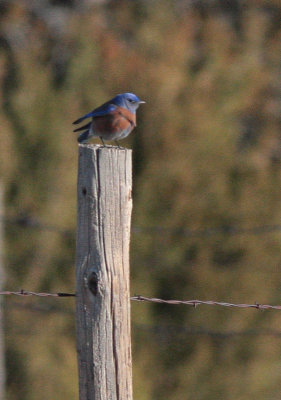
(28, 293)
(195, 303)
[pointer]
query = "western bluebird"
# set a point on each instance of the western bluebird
(113, 120)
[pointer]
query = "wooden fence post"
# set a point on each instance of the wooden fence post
(102, 273)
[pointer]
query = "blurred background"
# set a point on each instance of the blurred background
(206, 216)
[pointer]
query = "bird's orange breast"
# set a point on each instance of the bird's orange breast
(118, 120)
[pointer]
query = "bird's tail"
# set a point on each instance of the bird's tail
(84, 137)
(82, 128)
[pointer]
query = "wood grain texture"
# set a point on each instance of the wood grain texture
(102, 273)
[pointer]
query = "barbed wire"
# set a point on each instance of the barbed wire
(193, 303)
(28, 221)
(164, 332)
(26, 293)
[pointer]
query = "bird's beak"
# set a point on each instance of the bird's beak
(142, 102)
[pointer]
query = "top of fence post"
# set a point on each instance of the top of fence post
(102, 273)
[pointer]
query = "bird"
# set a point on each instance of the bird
(113, 120)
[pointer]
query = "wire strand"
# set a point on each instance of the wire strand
(193, 303)
(196, 303)
(26, 293)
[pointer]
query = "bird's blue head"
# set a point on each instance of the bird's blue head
(127, 100)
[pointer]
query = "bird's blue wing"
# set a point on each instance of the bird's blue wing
(97, 112)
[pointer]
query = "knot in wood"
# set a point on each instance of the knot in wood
(93, 281)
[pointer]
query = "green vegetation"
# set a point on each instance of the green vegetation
(206, 155)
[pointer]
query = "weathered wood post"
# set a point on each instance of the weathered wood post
(102, 273)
